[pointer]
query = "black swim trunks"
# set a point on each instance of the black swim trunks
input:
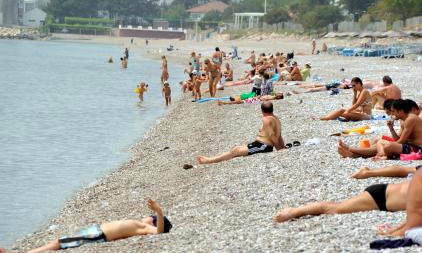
(377, 192)
(409, 148)
(332, 85)
(258, 147)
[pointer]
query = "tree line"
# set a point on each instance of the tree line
(312, 14)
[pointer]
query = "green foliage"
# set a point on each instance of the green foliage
(212, 16)
(321, 16)
(83, 27)
(88, 21)
(175, 12)
(392, 10)
(89, 8)
(277, 15)
(357, 6)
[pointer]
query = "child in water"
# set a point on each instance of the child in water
(141, 89)
(167, 93)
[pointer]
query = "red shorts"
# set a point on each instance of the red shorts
(388, 138)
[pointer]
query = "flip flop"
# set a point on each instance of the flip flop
(164, 149)
(296, 143)
(288, 145)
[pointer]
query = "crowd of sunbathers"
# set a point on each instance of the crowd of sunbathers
(264, 73)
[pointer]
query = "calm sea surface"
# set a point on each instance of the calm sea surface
(66, 118)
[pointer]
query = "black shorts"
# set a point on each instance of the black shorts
(377, 192)
(258, 147)
(257, 91)
(333, 85)
(409, 148)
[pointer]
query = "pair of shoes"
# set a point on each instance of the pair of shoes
(335, 92)
(294, 144)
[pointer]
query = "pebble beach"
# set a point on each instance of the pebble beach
(228, 207)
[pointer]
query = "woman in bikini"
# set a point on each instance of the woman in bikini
(361, 105)
(165, 72)
(213, 77)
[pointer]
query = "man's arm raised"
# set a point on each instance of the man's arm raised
(160, 217)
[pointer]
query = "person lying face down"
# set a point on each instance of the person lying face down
(115, 230)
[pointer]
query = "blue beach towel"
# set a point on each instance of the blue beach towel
(379, 117)
(202, 100)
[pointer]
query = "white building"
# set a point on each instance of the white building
(34, 18)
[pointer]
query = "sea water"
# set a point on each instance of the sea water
(67, 117)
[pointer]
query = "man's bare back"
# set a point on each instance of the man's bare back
(270, 132)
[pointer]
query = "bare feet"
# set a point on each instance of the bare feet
(344, 152)
(219, 102)
(203, 160)
(361, 173)
(343, 145)
(284, 215)
(315, 118)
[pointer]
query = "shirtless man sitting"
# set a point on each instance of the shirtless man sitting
(111, 231)
(356, 152)
(388, 91)
(269, 137)
(383, 197)
(410, 137)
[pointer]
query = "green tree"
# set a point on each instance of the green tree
(213, 16)
(357, 6)
(275, 16)
(321, 16)
(175, 12)
(75, 8)
(392, 10)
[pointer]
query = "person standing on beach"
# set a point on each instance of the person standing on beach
(214, 75)
(167, 93)
(112, 231)
(126, 54)
(217, 57)
(313, 46)
(164, 70)
(269, 137)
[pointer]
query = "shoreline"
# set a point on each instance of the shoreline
(228, 207)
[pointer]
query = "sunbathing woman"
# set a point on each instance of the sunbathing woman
(334, 84)
(383, 197)
(247, 79)
(361, 104)
(250, 98)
